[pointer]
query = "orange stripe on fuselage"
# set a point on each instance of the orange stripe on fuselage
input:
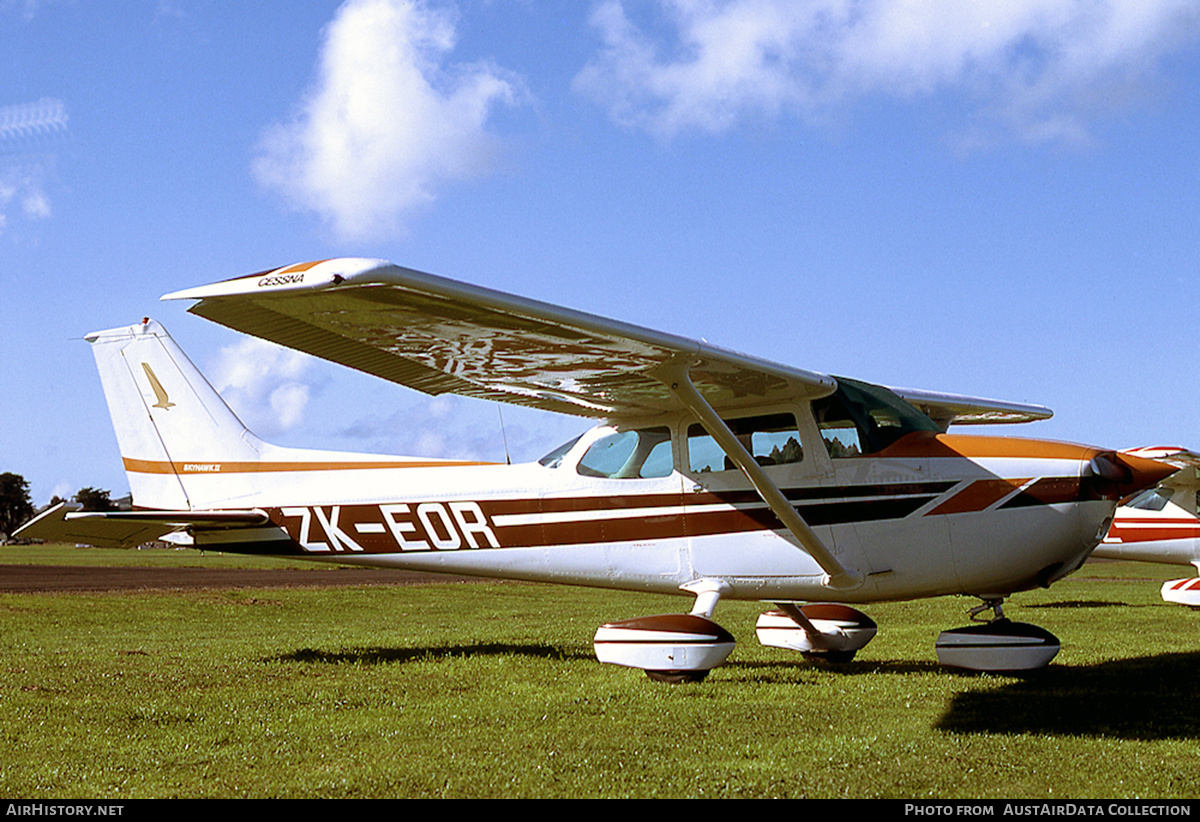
(199, 467)
(932, 446)
(979, 495)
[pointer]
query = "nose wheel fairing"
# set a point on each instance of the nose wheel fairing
(1000, 645)
(1182, 591)
(997, 644)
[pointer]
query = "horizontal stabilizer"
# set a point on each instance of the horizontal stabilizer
(65, 522)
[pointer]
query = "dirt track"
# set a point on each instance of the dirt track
(58, 578)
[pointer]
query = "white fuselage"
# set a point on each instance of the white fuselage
(931, 515)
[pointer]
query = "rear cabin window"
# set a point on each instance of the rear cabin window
(862, 419)
(636, 454)
(772, 439)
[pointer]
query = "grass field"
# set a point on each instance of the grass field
(492, 690)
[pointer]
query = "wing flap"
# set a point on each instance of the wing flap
(438, 336)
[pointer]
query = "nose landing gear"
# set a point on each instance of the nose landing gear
(997, 643)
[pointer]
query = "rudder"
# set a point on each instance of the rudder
(171, 424)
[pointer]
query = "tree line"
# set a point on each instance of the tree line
(16, 508)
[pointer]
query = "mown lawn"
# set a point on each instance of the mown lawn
(492, 690)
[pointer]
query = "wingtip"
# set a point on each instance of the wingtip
(309, 275)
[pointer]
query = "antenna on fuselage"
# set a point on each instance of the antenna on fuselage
(504, 436)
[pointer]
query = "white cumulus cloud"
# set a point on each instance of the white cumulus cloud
(389, 120)
(263, 383)
(1035, 70)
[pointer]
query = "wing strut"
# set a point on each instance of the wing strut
(679, 381)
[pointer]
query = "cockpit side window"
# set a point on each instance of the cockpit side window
(862, 419)
(634, 454)
(772, 439)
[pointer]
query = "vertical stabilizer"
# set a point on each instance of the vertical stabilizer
(171, 424)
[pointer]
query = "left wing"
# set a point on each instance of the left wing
(1173, 454)
(1188, 463)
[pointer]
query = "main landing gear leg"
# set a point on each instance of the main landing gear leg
(996, 643)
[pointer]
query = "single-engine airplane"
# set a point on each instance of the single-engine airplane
(1161, 525)
(711, 473)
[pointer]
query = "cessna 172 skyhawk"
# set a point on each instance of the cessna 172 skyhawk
(1161, 524)
(712, 473)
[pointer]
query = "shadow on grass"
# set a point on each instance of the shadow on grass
(380, 656)
(1146, 698)
(786, 670)
(1085, 603)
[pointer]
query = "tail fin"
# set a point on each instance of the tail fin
(172, 426)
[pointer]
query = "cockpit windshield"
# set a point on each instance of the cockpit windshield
(554, 458)
(860, 418)
(638, 453)
(634, 453)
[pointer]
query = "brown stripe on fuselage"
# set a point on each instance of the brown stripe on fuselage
(548, 522)
(1151, 529)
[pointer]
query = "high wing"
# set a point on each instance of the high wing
(65, 522)
(953, 409)
(442, 336)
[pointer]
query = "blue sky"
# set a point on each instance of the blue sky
(982, 198)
